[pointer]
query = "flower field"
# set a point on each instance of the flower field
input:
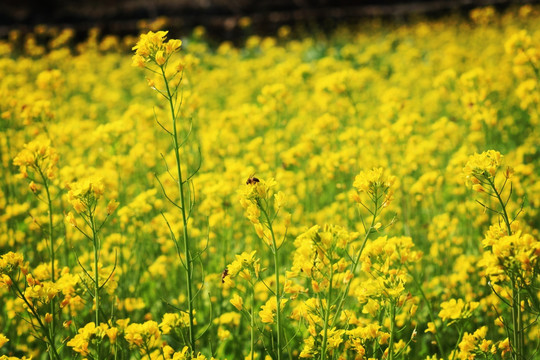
(372, 193)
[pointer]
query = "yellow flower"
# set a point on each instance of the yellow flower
(431, 328)
(375, 183)
(309, 348)
(10, 261)
(111, 206)
(138, 61)
(269, 309)
(237, 302)
(5, 281)
(451, 309)
(485, 345)
(169, 322)
(505, 347)
(152, 47)
(368, 181)
(335, 337)
(144, 335)
(280, 200)
(150, 42)
(71, 219)
(80, 342)
(38, 156)
(160, 58)
(479, 188)
(173, 45)
(3, 340)
(457, 309)
(182, 355)
(48, 318)
(223, 333)
(484, 165)
(84, 194)
(112, 334)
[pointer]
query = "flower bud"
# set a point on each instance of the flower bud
(160, 58)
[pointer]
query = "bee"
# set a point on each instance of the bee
(224, 274)
(252, 180)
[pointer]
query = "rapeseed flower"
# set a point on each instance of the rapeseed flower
(400, 108)
(152, 47)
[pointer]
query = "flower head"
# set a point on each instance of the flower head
(375, 183)
(39, 157)
(152, 47)
(484, 165)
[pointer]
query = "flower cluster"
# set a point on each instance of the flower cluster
(41, 159)
(517, 254)
(80, 342)
(152, 47)
(482, 168)
(457, 309)
(246, 266)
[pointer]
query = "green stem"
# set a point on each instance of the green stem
(52, 251)
(278, 299)
(36, 316)
(327, 315)
(252, 324)
(95, 242)
(520, 326)
(392, 327)
(430, 311)
(517, 332)
(187, 252)
(276, 271)
(356, 262)
(504, 214)
(460, 336)
(516, 317)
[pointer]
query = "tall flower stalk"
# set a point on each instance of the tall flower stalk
(262, 210)
(84, 196)
(245, 267)
(509, 260)
(378, 188)
(37, 162)
(36, 296)
(154, 54)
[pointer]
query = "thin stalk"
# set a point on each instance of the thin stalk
(187, 252)
(276, 271)
(278, 298)
(356, 261)
(36, 316)
(504, 214)
(516, 321)
(520, 326)
(430, 311)
(51, 242)
(327, 315)
(518, 340)
(392, 330)
(252, 324)
(95, 241)
(460, 336)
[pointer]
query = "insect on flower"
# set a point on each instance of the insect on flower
(252, 180)
(224, 275)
